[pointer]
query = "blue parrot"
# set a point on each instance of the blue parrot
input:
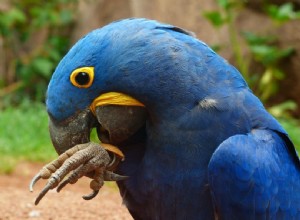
(197, 143)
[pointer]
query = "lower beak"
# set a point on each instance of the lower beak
(118, 123)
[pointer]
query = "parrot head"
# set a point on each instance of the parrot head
(106, 81)
(127, 76)
(85, 92)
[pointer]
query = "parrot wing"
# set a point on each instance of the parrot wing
(255, 176)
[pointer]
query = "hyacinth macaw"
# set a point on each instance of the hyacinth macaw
(197, 143)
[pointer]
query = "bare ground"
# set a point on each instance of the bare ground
(16, 202)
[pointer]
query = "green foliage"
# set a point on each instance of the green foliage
(282, 13)
(265, 52)
(215, 18)
(292, 126)
(281, 110)
(263, 49)
(12, 18)
(39, 68)
(226, 16)
(24, 135)
(32, 65)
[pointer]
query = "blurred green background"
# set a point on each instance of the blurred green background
(261, 38)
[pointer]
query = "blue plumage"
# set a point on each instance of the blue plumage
(208, 143)
(254, 174)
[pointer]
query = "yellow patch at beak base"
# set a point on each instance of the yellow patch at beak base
(114, 98)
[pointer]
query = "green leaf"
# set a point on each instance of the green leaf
(263, 53)
(42, 66)
(282, 108)
(282, 53)
(282, 13)
(224, 3)
(216, 47)
(11, 17)
(292, 126)
(229, 4)
(54, 55)
(278, 74)
(269, 55)
(254, 39)
(18, 15)
(286, 11)
(54, 18)
(215, 18)
(66, 16)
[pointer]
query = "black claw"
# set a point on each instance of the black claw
(112, 163)
(110, 176)
(42, 193)
(62, 185)
(91, 196)
(33, 181)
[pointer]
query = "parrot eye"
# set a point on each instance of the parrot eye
(82, 77)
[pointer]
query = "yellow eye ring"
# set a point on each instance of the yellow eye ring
(82, 77)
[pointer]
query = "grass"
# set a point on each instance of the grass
(24, 135)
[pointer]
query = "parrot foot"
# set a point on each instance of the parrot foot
(82, 159)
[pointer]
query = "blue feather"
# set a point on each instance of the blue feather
(252, 177)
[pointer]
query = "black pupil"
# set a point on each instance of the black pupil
(82, 78)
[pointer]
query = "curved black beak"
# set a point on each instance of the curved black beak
(72, 131)
(114, 123)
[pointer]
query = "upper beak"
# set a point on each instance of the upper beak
(115, 122)
(72, 131)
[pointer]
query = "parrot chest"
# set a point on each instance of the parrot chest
(170, 179)
(170, 184)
